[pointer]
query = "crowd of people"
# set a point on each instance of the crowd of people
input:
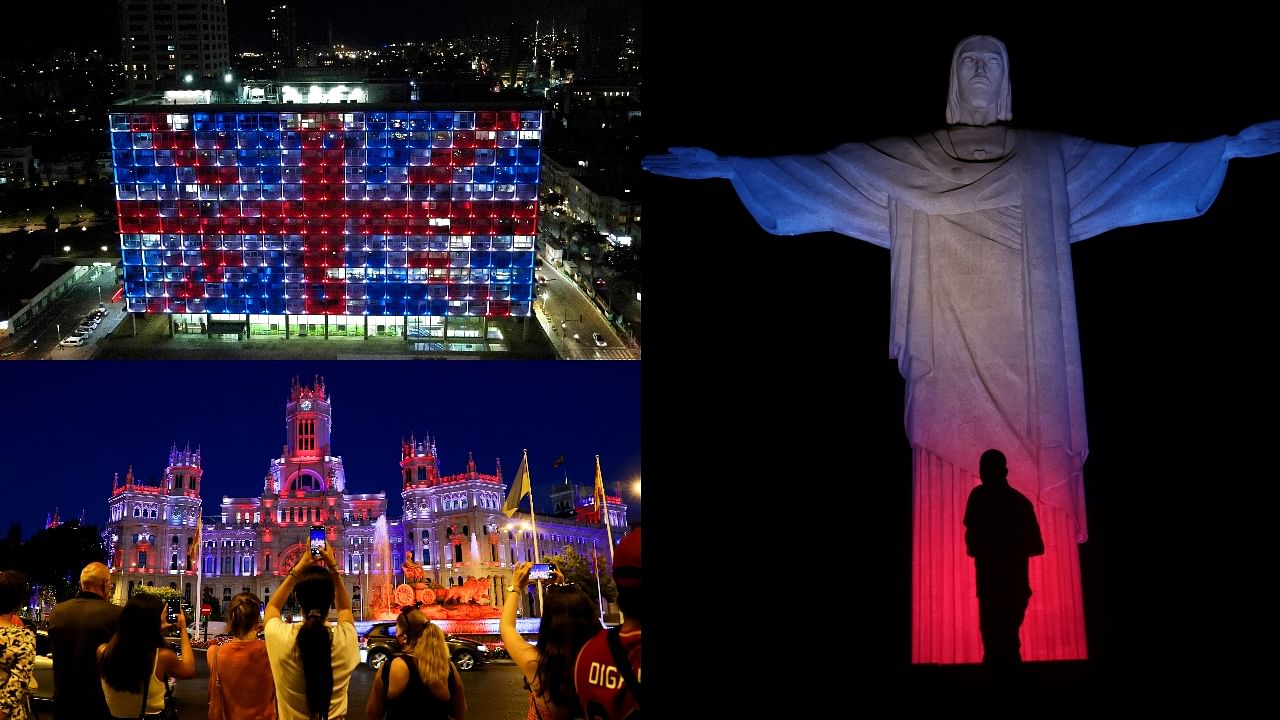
(115, 662)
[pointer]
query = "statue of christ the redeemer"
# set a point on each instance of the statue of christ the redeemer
(978, 217)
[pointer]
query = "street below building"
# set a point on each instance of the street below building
(40, 339)
(571, 321)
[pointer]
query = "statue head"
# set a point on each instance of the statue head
(979, 93)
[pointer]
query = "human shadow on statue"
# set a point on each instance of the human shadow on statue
(1001, 535)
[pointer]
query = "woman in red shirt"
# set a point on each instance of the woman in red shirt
(240, 683)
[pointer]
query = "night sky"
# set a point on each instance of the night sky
(1177, 329)
(69, 426)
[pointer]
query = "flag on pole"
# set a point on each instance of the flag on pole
(193, 550)
(600, 507)
(599, 499)
(519, 487)
(559, 461)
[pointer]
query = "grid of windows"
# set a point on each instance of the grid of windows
(418, 213)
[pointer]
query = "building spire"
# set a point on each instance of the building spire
(471, 464)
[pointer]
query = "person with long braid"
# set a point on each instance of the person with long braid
(423, 683)
(311, 662)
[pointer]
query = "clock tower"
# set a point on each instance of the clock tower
(308, 420)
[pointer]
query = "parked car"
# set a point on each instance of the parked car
(379, 645)
(72, 341)
(42, 698)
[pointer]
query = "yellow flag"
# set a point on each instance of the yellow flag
(193, 550)
(599, 499)
(519, 488)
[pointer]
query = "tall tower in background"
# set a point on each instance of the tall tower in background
(162, 41)
(151, 527)
(602, 43)
(282, 26)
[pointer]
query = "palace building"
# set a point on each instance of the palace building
(453, 524)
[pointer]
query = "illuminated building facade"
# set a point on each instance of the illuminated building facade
(317, 212)
(453, 523)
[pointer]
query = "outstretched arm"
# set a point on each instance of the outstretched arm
(1110, 186)
(690, 163)
(1254, 141)
(793, 194)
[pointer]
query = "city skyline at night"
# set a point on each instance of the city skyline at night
(94, 27)
(74, 438)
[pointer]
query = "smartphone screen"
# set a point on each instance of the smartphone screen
(540, 571)
(317, 539)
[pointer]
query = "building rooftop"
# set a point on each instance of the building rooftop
(312, 94)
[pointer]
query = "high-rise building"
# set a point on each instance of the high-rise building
(453, 524)
(282, 26)
(165, 41)
(326, 208)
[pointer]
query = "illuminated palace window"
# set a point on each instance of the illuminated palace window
(413, 213)
(306, 434)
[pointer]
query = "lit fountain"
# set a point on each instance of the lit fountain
(465, 608)
(382, 572)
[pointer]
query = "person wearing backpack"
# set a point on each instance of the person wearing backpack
(607, 672)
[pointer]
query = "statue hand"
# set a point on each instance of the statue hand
(1255, 141)
(689, 163)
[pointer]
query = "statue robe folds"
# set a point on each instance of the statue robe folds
(984, 328)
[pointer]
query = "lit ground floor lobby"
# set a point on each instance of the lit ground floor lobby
(461, 333)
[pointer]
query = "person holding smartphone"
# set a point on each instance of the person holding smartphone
(311, 662)
(132, 667)
(317, 540)
(568, 622)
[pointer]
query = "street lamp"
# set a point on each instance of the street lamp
(518, 529)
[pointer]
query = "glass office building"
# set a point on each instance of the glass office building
(351, 219)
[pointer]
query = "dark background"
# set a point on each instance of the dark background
(803, 407)
(93, 25)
